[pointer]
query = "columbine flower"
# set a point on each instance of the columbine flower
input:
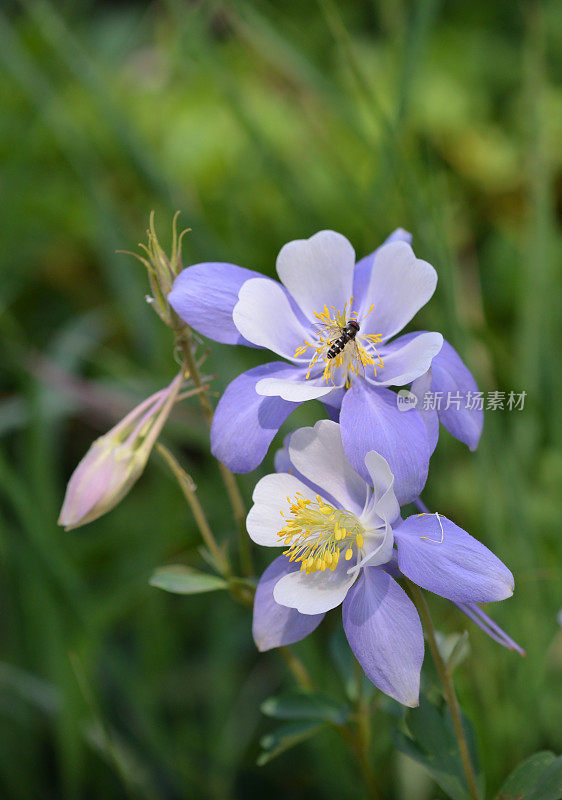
(338, 536)
(116, 460)
(322, 290)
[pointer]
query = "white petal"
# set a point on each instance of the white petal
(377, 549)
(383, 503)
(264, 520)
(264, 316)
(318, 271)
(296, 391)
(399, 286)
(317, 453)
(406, 363)
(314, 593)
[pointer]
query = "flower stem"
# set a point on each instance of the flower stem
(297, 668)
(364, 748)
(188, 489)
(448, 687)
(353, 739)
(184, 342)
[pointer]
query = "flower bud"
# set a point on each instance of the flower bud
(116, 460)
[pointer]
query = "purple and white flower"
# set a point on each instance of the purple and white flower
(345, 543)
(321, 289)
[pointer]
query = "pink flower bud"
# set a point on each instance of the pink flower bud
(116, 460)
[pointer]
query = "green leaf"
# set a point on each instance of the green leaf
(180, 579)
(432, 743)
(537, 778)
(298, 705)
(549, 785)
(285, 737)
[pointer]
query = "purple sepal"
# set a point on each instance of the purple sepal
(370, 420)
(245, 422)
(204, 296)
(442, 558)
(453, 378)
(274, 625)
(384, 631)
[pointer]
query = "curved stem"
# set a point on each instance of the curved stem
(364, 745)
(188, 490)
(184, 341)
(297, 668)
(448, 688)
(352, 738)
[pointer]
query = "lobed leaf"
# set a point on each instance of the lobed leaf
(299, 705)
(180, 579)
(285, 737)
(539, 777)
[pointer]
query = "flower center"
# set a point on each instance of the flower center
(355, 353)
(315, 534)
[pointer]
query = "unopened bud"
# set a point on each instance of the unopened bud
(116, 460)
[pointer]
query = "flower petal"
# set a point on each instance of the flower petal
(384, 631)
(370, 420)
(451, 375)
(297, 391)
(270, 497)
(245, 422)
(264, 316)
(204, 296)
(318, 271)
(318, 455)
(274, 625)
(383, 502)
(400, 284)
(315, 593)
(441, 557)
(419, 388)
(281, 458)
(363, 267)
(377, 550)
(283, 463)
(406, 361)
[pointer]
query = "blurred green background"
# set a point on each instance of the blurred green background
(262, 122)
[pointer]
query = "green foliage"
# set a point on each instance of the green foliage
(537, 778)
(300, 705)
(262, 123)
(286, 736)
(180, 579)
(430, 740)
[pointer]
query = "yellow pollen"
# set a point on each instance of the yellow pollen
(315, 532)
(355, 355)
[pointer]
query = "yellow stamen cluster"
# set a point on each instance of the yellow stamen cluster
(316, 533)
(353, 358)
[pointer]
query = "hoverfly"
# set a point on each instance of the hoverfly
(348, 334)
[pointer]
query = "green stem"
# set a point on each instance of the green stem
(353, 740)
(448, 687)
(184, 341)
(297, 668)
(188, 490)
